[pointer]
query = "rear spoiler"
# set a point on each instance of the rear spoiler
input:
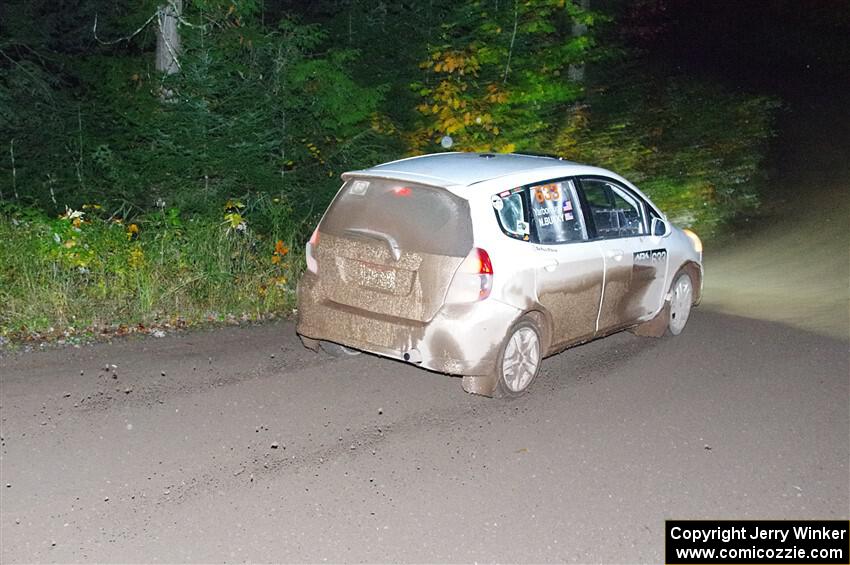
(434, 182)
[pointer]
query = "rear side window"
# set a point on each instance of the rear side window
(422, 219)
(543, 213)
(555, 218)
(511, 211)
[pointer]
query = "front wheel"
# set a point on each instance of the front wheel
(681, 300)
(519, 361)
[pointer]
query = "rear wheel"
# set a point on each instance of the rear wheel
(681, 300)
(337, 350)
(519, 361)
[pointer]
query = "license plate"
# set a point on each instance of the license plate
(383, 279)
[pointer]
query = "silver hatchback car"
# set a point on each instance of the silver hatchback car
(480, 265)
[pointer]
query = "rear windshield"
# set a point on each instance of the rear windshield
(422, 219)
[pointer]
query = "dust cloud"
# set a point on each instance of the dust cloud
(793, 264)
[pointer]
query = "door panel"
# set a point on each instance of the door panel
(635, 270)
(635, 262)
(569, 286)
(618, 283)
(649, 277)
(568, 268)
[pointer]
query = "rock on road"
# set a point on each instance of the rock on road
(239, 445)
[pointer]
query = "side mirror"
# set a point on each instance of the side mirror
(659, 227)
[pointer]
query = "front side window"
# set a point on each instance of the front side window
(543, 213)
(614, 211)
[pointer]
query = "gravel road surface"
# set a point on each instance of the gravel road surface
(239, 445)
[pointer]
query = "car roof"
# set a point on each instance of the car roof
(458, 171)
(461, 169)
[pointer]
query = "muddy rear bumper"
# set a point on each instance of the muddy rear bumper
(460, 339)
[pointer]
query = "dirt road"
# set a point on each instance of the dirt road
(239, 445)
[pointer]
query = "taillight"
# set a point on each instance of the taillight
(473, 280)
(477, 262)
(312, 263)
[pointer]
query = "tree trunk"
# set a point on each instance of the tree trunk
(576, 71)
(168, 37)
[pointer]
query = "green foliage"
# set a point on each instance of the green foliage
(206, 178)
(497, 75)
(252, 111)
(84, 271)
(693, 146)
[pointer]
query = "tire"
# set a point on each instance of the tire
(519, 360)
(337, 350)
(681, 301)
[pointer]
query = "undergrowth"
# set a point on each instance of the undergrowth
(87, 272)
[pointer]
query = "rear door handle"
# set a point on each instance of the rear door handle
(616, 254)
(551, 265)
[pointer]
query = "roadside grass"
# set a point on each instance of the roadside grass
(88, 273)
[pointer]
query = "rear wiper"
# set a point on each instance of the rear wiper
(395, 249)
